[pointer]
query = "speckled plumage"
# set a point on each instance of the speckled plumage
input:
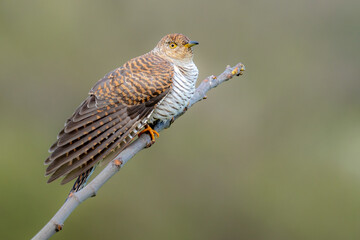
(154, 86)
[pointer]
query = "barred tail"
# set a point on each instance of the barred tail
(82, 180)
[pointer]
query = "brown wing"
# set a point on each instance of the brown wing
(117, 107)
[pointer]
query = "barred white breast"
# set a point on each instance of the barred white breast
(183, 88)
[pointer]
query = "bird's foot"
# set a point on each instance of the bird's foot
(151, 132)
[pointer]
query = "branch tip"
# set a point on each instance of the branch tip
(240, 68)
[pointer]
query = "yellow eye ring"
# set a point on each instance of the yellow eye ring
(172, 45)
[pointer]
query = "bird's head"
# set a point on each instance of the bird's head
(176, 47)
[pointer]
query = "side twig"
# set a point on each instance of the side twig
(56, 223)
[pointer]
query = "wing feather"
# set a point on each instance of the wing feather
(117, 107)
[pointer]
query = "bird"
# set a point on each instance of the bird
(124, 104)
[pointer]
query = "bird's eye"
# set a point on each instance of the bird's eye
(172, 45)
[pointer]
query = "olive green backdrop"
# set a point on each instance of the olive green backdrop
(273, 154)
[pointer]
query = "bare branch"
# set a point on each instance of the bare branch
(56, 223)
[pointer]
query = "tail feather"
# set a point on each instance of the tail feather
(82, 180)
(81, 145)
(88, 151)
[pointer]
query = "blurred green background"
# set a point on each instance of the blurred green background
(273, 154)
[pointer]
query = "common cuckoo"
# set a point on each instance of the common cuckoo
(125, 103)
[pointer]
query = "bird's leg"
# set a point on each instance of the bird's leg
(152, 133)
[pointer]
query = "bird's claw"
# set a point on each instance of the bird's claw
(152, 134)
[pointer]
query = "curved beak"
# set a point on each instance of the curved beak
(191, 43)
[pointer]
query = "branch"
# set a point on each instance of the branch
(56, 223)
